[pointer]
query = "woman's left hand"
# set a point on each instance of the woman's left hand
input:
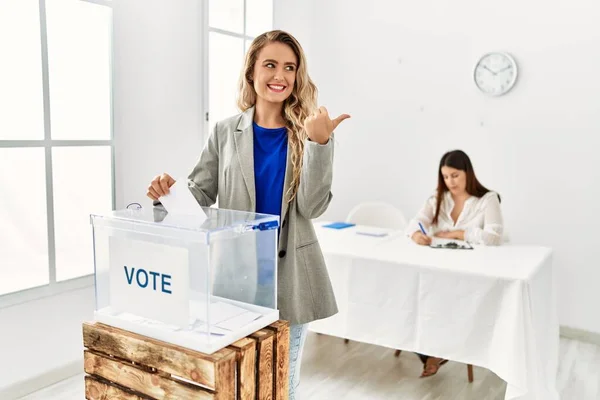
(456, 235)
(319, 126)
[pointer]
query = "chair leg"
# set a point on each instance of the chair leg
(346, 341)
(470, 372)
(397, 353)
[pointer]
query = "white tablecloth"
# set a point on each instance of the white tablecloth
(494, 307)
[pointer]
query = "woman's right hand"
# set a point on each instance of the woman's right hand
(160, 186)
(420, 238)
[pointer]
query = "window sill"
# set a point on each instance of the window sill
(40, 292)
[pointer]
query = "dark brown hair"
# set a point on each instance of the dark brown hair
(457, 159)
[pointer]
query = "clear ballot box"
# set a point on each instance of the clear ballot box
(200, 284)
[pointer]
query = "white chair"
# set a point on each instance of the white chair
(378, 214)
(505, 237)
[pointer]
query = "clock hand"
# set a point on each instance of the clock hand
(484, 66)
(505, 68)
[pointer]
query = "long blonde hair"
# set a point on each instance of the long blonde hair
(296, 108)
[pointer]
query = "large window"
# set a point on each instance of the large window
(232, 24)
(56, 146)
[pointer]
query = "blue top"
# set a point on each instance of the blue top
(270, 159)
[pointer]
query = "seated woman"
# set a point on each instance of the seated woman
(461, 209)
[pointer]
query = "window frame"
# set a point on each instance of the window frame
(54, 287)
(205, 64)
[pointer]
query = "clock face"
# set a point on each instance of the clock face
(495, 73)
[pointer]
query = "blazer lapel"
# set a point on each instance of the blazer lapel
(244, 146)
(289, 170)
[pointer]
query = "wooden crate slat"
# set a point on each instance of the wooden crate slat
(225, 377)
(140, 380)
(188, 364)
(127, 366)
(281, 359)
(100, 389)
(246, 368)
(264, 350)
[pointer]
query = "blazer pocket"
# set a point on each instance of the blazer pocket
(304, 245)
(316, 274)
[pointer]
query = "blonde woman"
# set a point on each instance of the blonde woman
(276, 157)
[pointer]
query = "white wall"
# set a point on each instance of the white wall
(43, 339)
(157, 80)
(403, 69)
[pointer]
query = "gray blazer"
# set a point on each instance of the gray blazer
(226, 170)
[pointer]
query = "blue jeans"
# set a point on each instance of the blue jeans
(297, 340)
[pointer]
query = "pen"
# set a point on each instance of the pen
(422, 229)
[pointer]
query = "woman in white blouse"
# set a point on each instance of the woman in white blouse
(461, 209)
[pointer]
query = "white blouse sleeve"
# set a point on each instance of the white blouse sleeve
(493, 225)
(424, 216)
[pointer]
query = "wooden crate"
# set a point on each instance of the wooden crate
(123, 365)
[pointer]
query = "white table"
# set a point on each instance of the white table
(494, 307)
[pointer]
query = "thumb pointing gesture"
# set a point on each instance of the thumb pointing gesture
(339, 119)
(319, 126)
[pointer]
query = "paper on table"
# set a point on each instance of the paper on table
(181, 201)
(440, 242)
(373, 231)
